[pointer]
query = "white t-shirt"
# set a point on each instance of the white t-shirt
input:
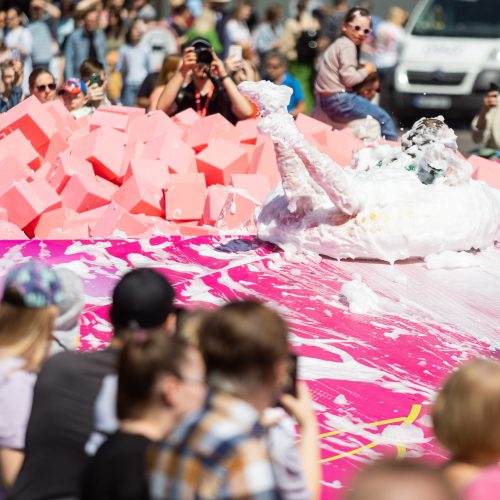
(389, 38)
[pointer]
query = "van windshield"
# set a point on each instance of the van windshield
(459, 18)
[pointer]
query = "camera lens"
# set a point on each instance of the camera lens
(203, 51)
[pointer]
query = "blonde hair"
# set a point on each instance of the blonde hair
(466, 413)
(25, 332)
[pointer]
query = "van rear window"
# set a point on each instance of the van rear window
(459, 18)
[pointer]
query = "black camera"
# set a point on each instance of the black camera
(203, 51)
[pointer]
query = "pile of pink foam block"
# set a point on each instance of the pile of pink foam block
(124, 173)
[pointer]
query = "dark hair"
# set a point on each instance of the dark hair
(15, 8)
(356, 12)
(180, 9)
(128, 33)
(144, 357)
(394, 468)
(273, 13)
(89, 67)
(276, 54)
(240, 343)
(35, 74)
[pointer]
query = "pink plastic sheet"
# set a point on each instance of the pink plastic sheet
(372, 376)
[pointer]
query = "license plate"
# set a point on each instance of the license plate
(432, 101)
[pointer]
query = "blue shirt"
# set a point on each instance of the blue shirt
(298, 95)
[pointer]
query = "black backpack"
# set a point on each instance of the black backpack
(307, 46)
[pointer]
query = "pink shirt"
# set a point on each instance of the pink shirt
(486, 486)
(337, 70)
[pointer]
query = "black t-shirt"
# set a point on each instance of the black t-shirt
(61, 421)
(219, 102)
(118, 470)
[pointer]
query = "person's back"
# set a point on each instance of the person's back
(220, 451)
(60, 423)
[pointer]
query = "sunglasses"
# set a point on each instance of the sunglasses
(42, 88)
(356, 27)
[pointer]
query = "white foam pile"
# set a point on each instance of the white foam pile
(395, 203)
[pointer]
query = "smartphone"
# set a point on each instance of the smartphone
(236, 52)
(95, 78)
(290, 386)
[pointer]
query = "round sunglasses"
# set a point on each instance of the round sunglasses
(356, 27)
(42, 88)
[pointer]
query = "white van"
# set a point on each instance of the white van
(450, 56)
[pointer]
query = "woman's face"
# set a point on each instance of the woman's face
(358, 29)
(44, 88)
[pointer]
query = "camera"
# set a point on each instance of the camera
(203, 51)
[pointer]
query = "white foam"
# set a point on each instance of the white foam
(451, 260)
(395, 204)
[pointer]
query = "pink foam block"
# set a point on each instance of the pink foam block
(9, 231)
(339, 147)
(104, 149)
(215, 200)
(46, 222)
(65, 123)
(220, 160)
(138, 196)
(3, 214)
(158, 225)
(54, 147)
(43, 171)
(116, 218)
(195, 229)
(65, 167)
(130, 152)
(264, 160)
(147, 127)
(173, 152)
(153, 171)
(257, 186)
(185, 197)
(24, 201)
(486, 170)
(118, 121)
(108, 186)
(311, 127)
(247, 130)
(32, 119)
(208, 129)
(187, 118)
(132, 111)
(11, 170)
(89, 217)
(82, 193)
(76, 231)
(237, 213)
(16, 144)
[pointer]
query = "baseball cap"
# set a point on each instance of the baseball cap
(32, 284)
(73, 86)
(143, 298)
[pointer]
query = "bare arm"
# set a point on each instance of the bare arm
(300, 108)
(10, 464)
(169, 94)
(302, 410)
(240, 105)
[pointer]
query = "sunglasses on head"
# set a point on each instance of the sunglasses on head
(42, 88)
(356, 27)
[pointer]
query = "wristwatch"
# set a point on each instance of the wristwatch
(227, 75)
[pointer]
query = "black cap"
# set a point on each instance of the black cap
(143, 298)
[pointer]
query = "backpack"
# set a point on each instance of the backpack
(307, 46)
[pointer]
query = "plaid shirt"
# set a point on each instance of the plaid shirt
(217, 453)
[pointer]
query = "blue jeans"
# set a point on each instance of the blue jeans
(344, 107)
(129, 95)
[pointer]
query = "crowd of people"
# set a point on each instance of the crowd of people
(323, 52)
(141, 59)
(184, 404)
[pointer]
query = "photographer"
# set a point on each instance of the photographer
(12, 77)
(210, 89)
(486, 125)
(93, 76)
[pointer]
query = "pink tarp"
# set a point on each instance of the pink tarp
(372, 375)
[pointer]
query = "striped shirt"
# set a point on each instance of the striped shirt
(217, 453)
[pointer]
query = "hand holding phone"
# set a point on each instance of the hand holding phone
(235, 52)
